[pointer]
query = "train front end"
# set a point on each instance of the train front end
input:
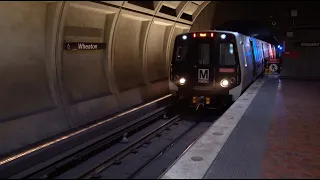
(204, 68)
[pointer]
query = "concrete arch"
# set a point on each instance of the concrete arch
(46, 90)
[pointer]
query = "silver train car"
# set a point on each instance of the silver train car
(212, 68)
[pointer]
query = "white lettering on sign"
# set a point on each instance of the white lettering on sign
(310, 44)
(203, 75)
(83, 46)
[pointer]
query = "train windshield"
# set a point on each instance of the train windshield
(199, 52)
(227, 57)
(182, 51)
(203, 55)
(205, 52)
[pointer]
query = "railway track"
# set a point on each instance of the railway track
(55, 169)
(171, 147)
(133, 148)
(153, 135)
(148, 155)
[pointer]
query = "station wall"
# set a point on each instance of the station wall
(46, 89)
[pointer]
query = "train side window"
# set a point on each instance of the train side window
(263, 56)
(204, 54)
(227, 57)
(181, 53)
(244, 56)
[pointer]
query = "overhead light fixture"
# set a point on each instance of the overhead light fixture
(294, 13)
(290, 34)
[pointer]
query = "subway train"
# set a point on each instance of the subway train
(212, 68)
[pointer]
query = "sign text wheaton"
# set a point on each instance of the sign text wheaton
(307, 44)
(84, 46)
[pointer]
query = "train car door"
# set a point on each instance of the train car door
(203, 63)
(263, 56)
(253, 60)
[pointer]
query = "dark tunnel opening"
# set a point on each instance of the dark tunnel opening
(252, 28)
(271, 23)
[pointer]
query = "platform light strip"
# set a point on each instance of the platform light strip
(14, 157)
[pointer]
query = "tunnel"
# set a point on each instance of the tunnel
(50, 86)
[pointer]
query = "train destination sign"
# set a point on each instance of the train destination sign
(84, 46)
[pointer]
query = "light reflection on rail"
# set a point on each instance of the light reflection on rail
(14, 157)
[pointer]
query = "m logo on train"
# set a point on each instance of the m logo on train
(203, 76)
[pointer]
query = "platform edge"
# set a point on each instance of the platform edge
(197, 159)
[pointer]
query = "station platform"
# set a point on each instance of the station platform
(271, 131)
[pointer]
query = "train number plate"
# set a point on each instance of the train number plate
(203, 81)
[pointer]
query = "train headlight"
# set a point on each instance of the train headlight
(184, 37)
(182, 81)
(223, 36)
(224, 83)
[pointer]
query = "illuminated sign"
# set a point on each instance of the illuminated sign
(273, 60)
(227, 70)
(293, 54)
